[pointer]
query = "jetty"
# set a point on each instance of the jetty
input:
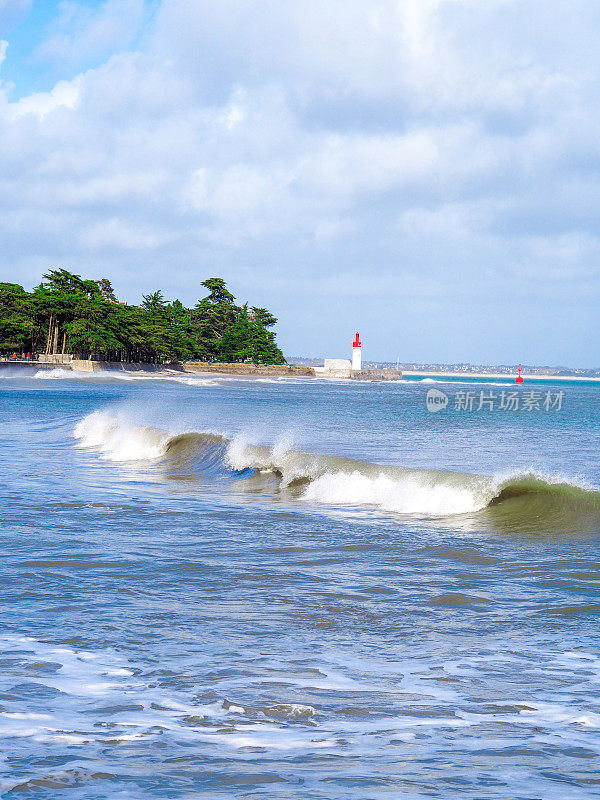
(351, 369)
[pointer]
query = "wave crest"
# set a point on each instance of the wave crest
(120, 440)
(339, 481)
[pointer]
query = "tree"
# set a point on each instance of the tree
(218, 292)
(87, 336)
(63, 282)
(213, 316)
(236, 344)
(83, 317)
(16, 325)
(106, 290)
(155, 302)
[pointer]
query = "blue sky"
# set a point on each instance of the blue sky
(424, 171)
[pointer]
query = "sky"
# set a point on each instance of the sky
(426, 172)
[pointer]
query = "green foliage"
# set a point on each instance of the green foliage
(16, 324)
(85, 317)
(106, 290)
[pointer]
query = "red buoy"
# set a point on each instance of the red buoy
(519, 379)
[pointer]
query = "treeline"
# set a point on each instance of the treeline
(67, 314)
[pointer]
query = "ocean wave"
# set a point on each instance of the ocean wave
(60, 374)
(460, 381)
(339, 481)
(117, 439)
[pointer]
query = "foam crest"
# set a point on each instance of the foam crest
(237, 455)
(291, 465)
(57, 374)
(118, 439)
(61, 374)
(339, 481)
(402, 495)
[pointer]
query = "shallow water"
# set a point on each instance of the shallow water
(264, 612)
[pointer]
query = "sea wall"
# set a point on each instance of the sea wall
(376, 375)
(340, 368)
(54, 358)
(195, 367)
(87, 365)
(27, 366)
(337, 368)
(248, 369)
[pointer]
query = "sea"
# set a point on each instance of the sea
(298, 588)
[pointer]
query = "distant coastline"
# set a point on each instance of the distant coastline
(466, 376)
(496, 371)
(215, 369)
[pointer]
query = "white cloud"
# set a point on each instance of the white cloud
(64, 95)
(115, 233)
(438, 147)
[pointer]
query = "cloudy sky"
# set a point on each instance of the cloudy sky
(424, 171)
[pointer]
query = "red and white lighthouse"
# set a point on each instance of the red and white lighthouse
(356, 354)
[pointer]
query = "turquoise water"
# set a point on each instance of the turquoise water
(300, 589)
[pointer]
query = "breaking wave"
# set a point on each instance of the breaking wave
(107, 376)
(339, 481)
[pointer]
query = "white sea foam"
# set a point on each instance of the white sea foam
(405, 495)
(281, 458)
(91, 680)
(118, 439)
(456, 381)
(237, 453)
(101, 701)
(341, 482)
(403, 698)
(241, 454)
(60, 374)
(197, 381)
